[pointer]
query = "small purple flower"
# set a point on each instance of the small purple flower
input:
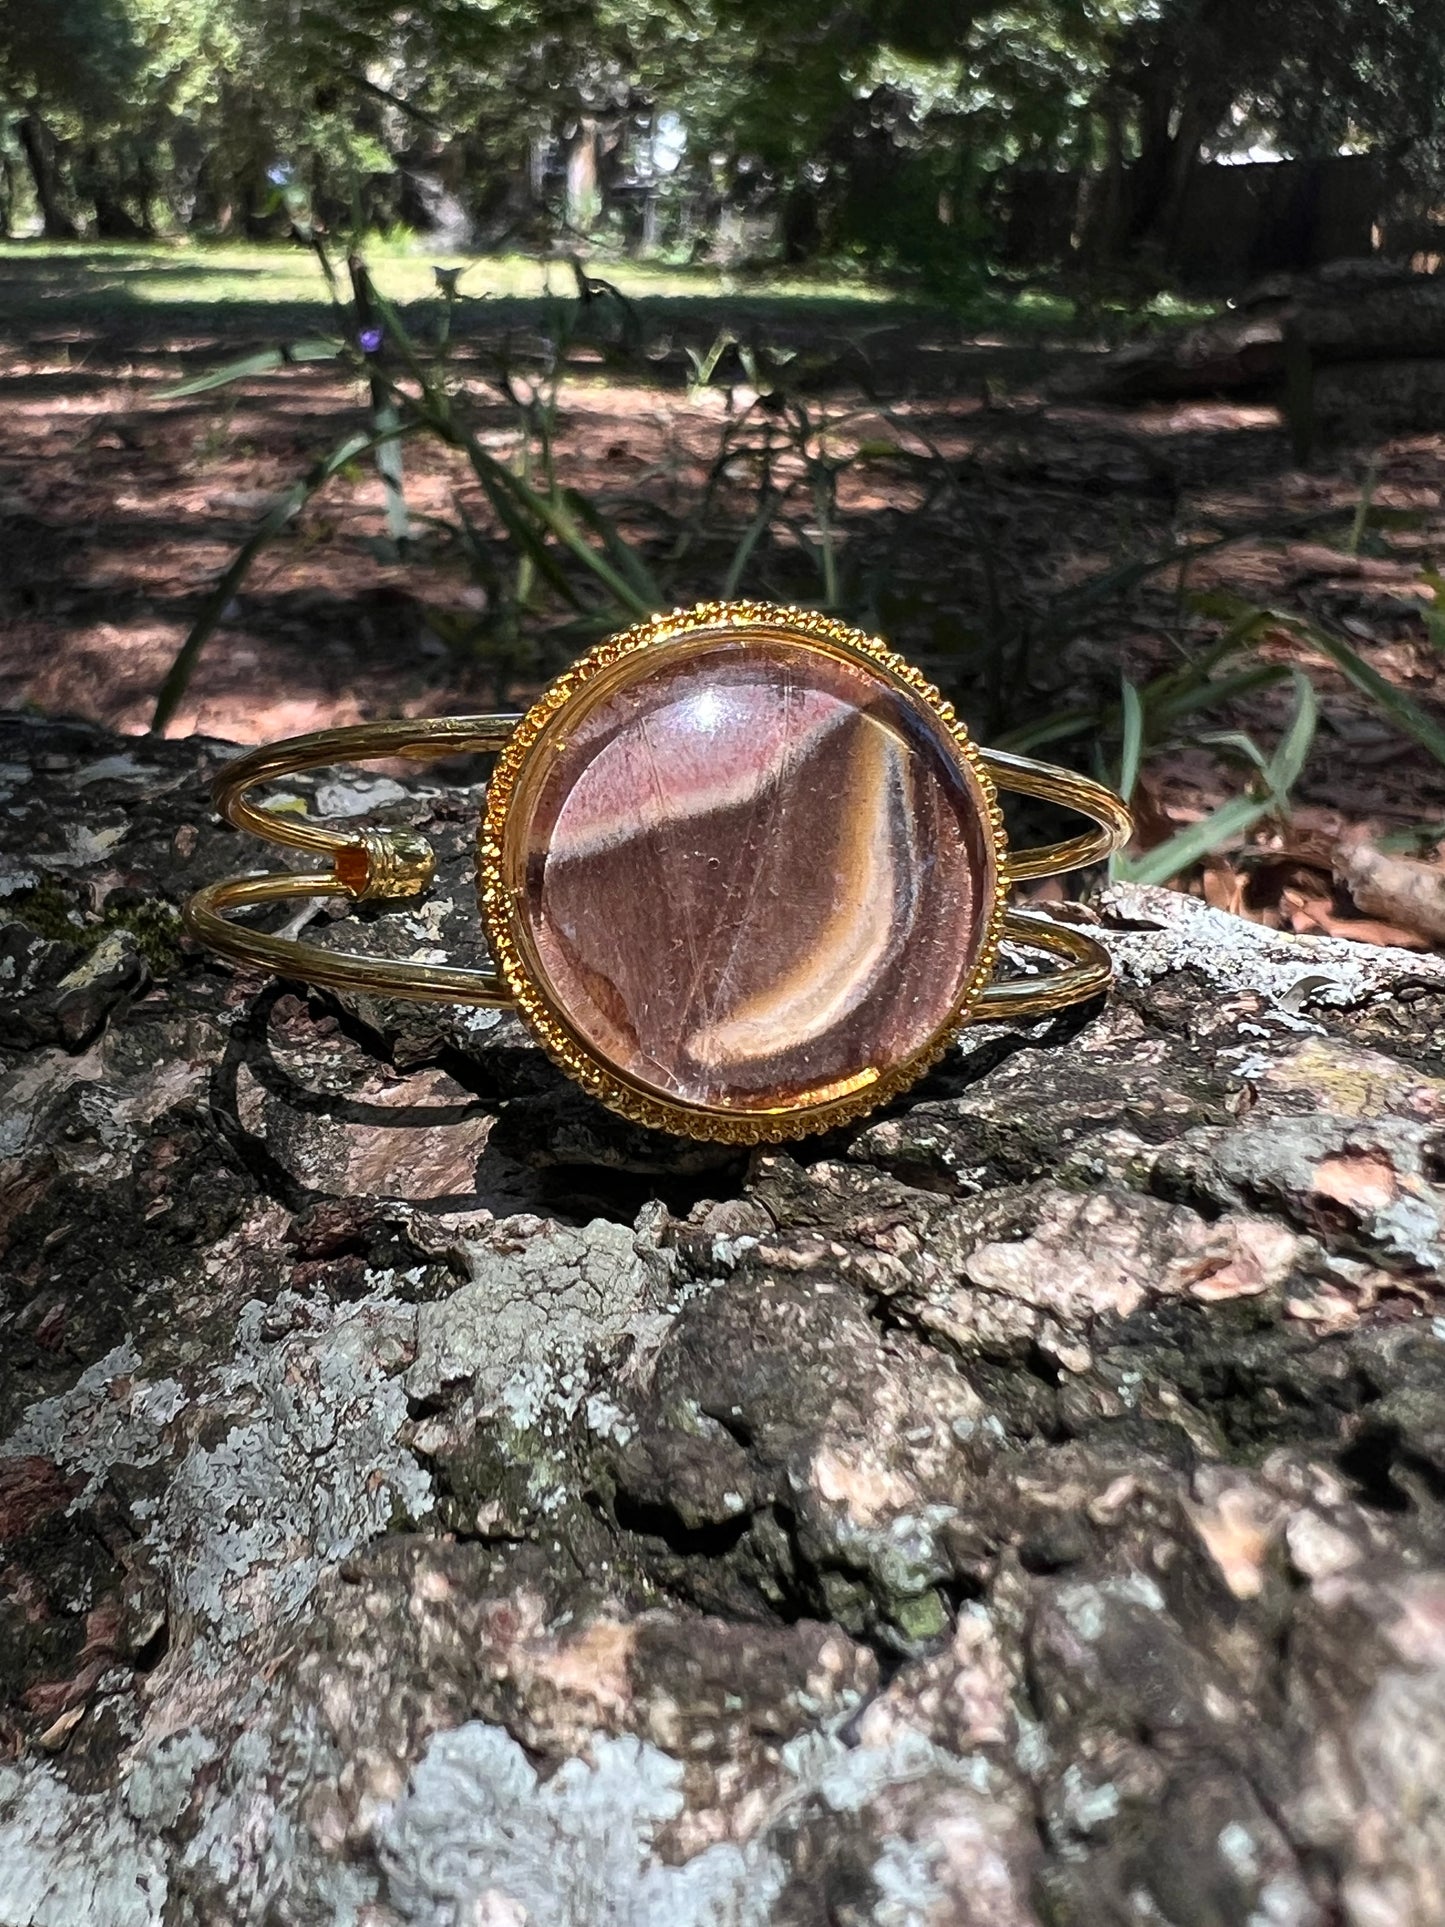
(370, 339)
(280, 175)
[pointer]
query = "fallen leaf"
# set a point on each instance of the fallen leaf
(1407, 892)
(1223, 886)
(1318, 919)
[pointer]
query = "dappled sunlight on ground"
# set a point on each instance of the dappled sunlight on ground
(973, 504)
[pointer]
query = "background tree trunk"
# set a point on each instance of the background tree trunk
(7, 196)
(100, 182)
(426, 1497)
(584, 201)
(38, 145)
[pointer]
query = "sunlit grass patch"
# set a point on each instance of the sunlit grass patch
(191, 274)
(55, 281)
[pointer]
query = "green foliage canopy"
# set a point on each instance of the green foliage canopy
(865, 120)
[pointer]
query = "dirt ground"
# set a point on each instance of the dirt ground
(979, 513)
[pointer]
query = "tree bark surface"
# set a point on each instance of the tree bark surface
(38, 144)
(428, 1500)
(1371, 333)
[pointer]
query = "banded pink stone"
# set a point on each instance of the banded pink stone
(750, 874)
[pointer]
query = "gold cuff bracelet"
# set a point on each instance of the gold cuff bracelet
(742, 871)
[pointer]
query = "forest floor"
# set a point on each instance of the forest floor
(1024, 548)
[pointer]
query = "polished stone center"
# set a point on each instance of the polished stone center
(755, 875)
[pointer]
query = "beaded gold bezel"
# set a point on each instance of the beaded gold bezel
(550, 1024)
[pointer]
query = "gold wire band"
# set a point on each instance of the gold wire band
(1070, 791)
(374, 865)
(205, 919)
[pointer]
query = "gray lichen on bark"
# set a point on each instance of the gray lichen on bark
(477, 1822)
(426, 1499)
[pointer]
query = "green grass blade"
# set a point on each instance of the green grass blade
(1057, 728)
(1242, 629)
(1242, 744)
(400, 341)
(615, 546)
(478, 551)
(390, 467)
(1231, 819)
(554, 514)
(1402, 710)
(1163, 706)
(1286, 766)
(522, 529)
(1362, 513)
(1132, 752)
(512, 503)
(264, 363)
(178, 676)
(753, 534)
(531, 516)
(1213, 695)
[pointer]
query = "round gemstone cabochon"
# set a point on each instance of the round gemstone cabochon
(749, 874)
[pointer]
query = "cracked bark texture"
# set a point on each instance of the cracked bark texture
(426, 1499)
(1357, 342)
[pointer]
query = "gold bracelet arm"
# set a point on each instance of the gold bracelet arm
(332, 969)
(1088, 972)
(1071, 791)
(359, 743)
(1089, 969)
(367, 865)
